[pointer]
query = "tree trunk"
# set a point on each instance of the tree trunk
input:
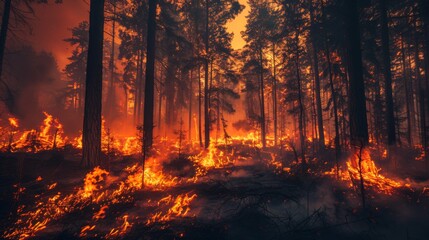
(3, 32)
(301, 113)
(218, 109)
(140, 87)
(91, 139)
(357, 101)
(333, 93)
(407, 93)
(275, 95)
(170, 90)
(191, 93)
(125, 107)
(200, 93)
(150, 80)
(421, 92)
(424, 12)
(378, 110)
(317, 83)
(390, 116)
(414, 95)
(137, 88)
(110, 101)
(206, 83)
(262, 100)
(160, 103)
(300, 104)
(8, 98)
(334, 104)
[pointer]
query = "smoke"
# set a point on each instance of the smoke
(33, 85)
(243, 125)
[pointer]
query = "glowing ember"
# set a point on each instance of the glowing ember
(34, 220)
(121, 230)
(179, 207)
(85, 230)
(13, 122)
(370, 173)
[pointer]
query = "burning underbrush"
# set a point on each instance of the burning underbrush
(231, 191)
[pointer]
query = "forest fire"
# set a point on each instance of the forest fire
(361, 166)
(97, 190)
(232, 119)
(49, 136)
(102, 190)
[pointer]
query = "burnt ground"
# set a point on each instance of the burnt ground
(248, 200)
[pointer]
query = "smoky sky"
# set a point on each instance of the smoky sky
(52, 23)
(34, 80)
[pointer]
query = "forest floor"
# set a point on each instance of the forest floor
(47, 195)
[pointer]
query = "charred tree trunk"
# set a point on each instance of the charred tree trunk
(170, 90)
(424, 12)
(420, 87)
(414, 94)
(110, 101)
(160, 102)
(3, 37)
(335, 108)
(317, 83)
(206, 82)
(200, 93)
(140, 89)
(390, 116)
(407, 93)
(300, 104)
(218, 106)
(262, 99)
(150, 80)
(91, 139)
(333, 93)
(301, 115)
(3, 31)
(137, 87)
(357, 101)
(191, 93)
(275, 95)
(378, 110)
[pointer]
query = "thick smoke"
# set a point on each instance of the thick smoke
(33, 85)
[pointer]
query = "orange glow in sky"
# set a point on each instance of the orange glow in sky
(238, 25)
(53, 22)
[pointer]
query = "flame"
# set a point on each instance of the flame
(101, 214)
(121, 230)
(49, 135)
(13, 122)
(211, 158)
(52, 186)
(84, 231)
(370, 174)
(34, 220)
(179, 207)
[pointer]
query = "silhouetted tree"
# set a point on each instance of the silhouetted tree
(150, 78)
(91, 139)
(357, 100)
